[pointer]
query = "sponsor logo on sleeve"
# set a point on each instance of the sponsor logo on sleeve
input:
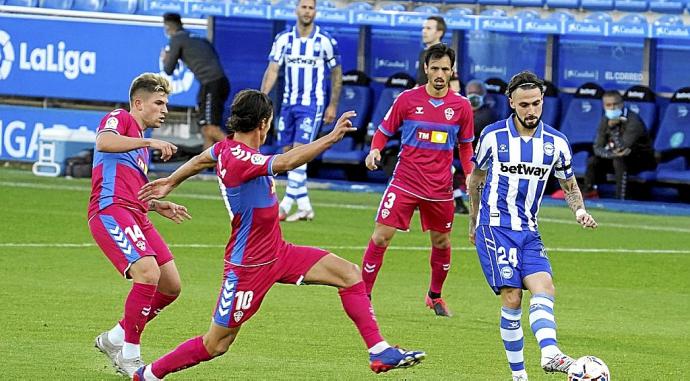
(111, 123)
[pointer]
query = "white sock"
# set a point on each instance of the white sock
(303, 203)
(517, 373)
(148, 374)
(130, 351)
(549, 352)
(116, 335)
(379, 347)
(286, 203)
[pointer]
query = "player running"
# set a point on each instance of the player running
(433, 121)
(118, 221)
(513, 160)
(256, 256)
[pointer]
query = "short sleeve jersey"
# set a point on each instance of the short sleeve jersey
(116, 177)
(246, 185)
(518, 170)
(430, 130)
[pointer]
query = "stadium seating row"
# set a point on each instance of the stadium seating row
(202, 8)
(578, 120)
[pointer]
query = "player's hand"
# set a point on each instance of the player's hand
(343, 126)
(373, 157)
(586, 220)
(177, 213)
(167, 149)
(156, 189)
(329, 114)
(473, 230)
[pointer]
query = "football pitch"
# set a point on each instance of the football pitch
(623, 294)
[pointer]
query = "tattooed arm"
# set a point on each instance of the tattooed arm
(573, 197)
(475, 183)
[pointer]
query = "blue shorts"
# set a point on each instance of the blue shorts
(508, 256)
(298, 124)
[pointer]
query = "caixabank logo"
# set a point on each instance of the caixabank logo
(6, 55)
(52, 58)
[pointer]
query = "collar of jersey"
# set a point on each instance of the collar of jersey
(514, 132)
(313, 31)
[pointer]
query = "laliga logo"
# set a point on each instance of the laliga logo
(6, 55)
(181, 79)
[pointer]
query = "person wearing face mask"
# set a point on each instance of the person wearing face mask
(622, 146)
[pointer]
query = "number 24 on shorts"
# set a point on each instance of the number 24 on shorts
(511, 256)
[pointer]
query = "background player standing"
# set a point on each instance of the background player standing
(256, 256)
(118, 222)
(433, 121)
(307, 52)
(513, 160)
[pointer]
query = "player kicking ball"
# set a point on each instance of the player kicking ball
(513, 160)
(256, 256)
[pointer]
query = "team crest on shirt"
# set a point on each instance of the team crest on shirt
(238, 315)
(385, 213)
(317, 47)
(502, 148)
(111, 123)
(548, 148)
(449, 112)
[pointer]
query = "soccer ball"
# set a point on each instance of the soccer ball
(589, 368)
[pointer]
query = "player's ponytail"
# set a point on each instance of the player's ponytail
(248, 109)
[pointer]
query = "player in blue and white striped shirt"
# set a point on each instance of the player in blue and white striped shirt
(308, 54)
(513, 160)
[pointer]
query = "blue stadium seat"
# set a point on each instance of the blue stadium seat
(459, 12)
(88, 5)
(581, 121)
(496, 98)
(121, 6)
(562, 16)
(427, 9)
(22, 3)
(527, 3)
(494, 2)
(326, 4)
(631, 5)
(640, 99)
(667, 6)
(461, 1)
(573, 4)
(360, 6)
(55, 4)
(551, 110)
(669, 20)
(527, 14)
(597, 5)
(598, 17)
(147, 7)
(494, 12)
(633, 19)
(673, 140)
(393, 7)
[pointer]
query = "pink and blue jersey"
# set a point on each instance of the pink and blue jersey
(116, 177)
(430, 129)
(248, 190)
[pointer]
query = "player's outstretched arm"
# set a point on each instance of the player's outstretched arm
(111, 142)
(170, 210)
(307, 152)
(573, 197)
(475, 183)
(160, 188)
(270, 77)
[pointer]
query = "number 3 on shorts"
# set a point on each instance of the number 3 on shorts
(391, 199)
(512, 256)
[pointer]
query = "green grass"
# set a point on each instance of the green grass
(629, 308)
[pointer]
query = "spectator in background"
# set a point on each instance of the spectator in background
(432, 33)
(201, 58)
(622, 145)
(483, 116)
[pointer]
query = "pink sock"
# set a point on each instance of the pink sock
(371, 264)
(186, 355)
(159, 302)
(358, 307)
(137, 310)
(440, 264)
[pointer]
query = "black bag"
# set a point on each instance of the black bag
(80, 165)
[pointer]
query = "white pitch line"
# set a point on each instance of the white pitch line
(392, 248)
(673, 229)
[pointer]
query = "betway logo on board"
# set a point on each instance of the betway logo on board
(52, 58)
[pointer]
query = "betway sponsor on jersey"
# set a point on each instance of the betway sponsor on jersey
(525, 169)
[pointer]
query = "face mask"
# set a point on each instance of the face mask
(476, 100)
(614, 114)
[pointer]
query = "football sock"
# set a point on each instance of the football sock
(440, 264)
(513, 339)
(137, 309)
(116, 335)
(159, 302)
(358, 307)
(371, 264)
(379, 347)
(187, 354)
(130, 351)
(148, 374)
(300, 175)
(543, 324)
